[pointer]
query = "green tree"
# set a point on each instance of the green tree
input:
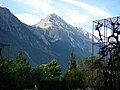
(74, 79)
(47, 76)
(53, 69)
(21, 71)
(7, 79)
(38, 76)
(72, 62)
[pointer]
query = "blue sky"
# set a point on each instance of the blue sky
(79, 13)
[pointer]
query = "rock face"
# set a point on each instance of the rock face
(51, 38)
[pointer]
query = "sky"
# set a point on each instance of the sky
(79, 13)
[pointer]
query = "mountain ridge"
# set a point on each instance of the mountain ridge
(40, 44)
(52, 17)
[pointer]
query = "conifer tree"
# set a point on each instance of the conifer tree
(21, 71)
(21, 59)
(72, 62)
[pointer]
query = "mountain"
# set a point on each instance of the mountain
(50, 38)
(62, 37)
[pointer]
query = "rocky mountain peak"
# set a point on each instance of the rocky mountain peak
(54, 16)
(50, 21)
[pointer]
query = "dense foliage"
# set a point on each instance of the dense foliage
(19, 75)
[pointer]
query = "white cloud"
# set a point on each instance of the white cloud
(41, 7)
(91, 9)
(72, 15)
(45, 7)
(28, 19)
(84, 19)
(38, 6)
(77, 18)
(76, 21)
(0, 5)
